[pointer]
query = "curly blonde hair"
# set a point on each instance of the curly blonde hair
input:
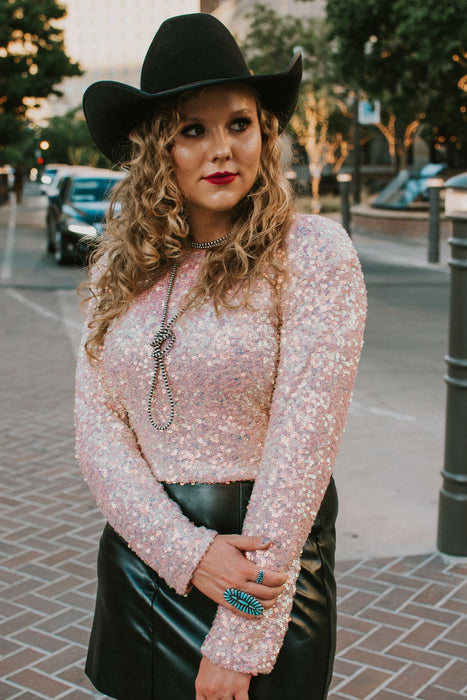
(147, 228)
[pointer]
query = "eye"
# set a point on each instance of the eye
(193, 130)
(241, 123)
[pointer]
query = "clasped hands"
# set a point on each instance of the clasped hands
(225, 566)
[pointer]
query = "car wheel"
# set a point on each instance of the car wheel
(59, 248)
(50, 236)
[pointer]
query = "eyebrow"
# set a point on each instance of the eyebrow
(235, 113)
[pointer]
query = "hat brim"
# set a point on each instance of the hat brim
(113, 109)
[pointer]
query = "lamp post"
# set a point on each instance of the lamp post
(434, 186)
(452, 514)
(344, 180)
(356, 152)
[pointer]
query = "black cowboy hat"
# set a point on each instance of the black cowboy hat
(187, 52)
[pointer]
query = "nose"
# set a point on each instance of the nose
(221, 149)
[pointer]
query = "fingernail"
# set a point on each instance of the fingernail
(265, 540)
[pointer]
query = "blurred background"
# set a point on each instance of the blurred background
(384, 90)
(379, 142)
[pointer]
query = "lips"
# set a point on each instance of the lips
(224, 178)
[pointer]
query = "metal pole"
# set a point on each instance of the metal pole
(344, 180)
(452, 516)
(433, 225)
(356, 153)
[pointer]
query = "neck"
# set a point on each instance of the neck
(209, 228)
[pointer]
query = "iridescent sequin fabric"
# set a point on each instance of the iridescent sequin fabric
(258, 395)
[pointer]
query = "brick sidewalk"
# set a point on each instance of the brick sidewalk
(48, 523)
(402, 620)
(402, 629)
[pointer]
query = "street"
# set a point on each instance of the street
(401, 627)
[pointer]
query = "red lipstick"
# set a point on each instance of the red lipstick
(224, 178)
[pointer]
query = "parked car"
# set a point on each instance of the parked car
(48, 175)
(53, 191)
(76, 211)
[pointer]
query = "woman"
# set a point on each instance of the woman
(213, 383)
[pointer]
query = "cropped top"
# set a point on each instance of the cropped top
(259, 394)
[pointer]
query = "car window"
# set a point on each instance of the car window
(91, 190)
(58, 179)
(61, 186)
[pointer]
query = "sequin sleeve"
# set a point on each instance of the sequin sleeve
(125, 489)
(323, 312)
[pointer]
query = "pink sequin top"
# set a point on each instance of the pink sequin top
(259, 394)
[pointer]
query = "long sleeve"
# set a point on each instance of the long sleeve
(125, 489)
(323, 312)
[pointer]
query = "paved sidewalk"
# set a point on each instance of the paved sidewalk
(402, 620)
(402, 629)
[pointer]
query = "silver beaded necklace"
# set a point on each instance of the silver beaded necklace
(164, 339)
(208, 244)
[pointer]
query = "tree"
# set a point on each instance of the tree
(311, 126)
(409, 56)
(321, 123)
(70, 141)
(272, 40)
(33, 61)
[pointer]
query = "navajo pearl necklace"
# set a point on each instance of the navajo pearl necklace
(208, 244)
(165, 338)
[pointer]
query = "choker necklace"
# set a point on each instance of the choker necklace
(209, 244)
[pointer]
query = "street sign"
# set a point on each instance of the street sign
(369, 112)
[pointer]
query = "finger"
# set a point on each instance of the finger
(238, 612)
(268, 604)
(248, 543)
(264, 592)
(273, 578)
(241, 695)
(241, 612)
(266, 598)
(270, 578)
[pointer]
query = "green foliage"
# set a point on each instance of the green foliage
(272, 39)
(33, 61)
(319, 133)
(71, 142)
(269, 46)
(409, 55)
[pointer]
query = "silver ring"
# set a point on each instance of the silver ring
(260, 577)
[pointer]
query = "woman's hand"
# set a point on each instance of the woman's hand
(216, 683)
(225, 566)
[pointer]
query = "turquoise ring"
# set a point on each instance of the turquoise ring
(259, 578)
(244, 602)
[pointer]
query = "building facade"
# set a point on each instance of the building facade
(234, 13)
(109, 39)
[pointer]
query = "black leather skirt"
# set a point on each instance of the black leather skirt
(146, 639)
